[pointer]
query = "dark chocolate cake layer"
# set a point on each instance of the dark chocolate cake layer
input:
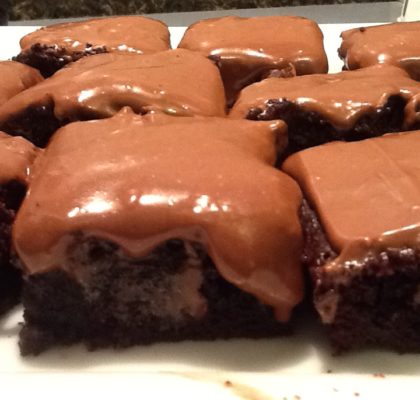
(16, 156)
(395, 44)
(249, 49)
(361, 227)
(173, 294)
(176, 82)
(15, 78)
(347, 106)
(136, 183)
(51, 48)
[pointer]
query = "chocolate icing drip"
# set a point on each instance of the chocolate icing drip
(16, 158)
(396, 44)
(341, 99)
(138, 182)
(249, 49)
(308, 128)
(177, 82)
(375, 204)
(15, 78)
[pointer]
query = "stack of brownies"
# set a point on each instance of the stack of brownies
(155, 194)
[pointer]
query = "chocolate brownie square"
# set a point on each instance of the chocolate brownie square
(16, 157)
(347, 106)
(249, 49)
(176, 82)
(395, 44)
(15, 78)
(361, 223)
(159, 229)
(53, 47)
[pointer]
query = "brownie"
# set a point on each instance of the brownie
(347, 106)
(51, 48)
(176, 82)
(15, 78)
(16, 156)
(159, 238)
(361, 224)
(396, 44)
(249, 49)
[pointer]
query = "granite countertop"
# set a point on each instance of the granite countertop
(39, 9)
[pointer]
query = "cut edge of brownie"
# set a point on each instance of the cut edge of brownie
(11, 196)
(368, 303)
(38, 123)
(112, 300)
(308, 128)
(48, 59)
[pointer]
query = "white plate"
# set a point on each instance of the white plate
(298, 367)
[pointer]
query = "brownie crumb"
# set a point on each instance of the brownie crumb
(228, 384)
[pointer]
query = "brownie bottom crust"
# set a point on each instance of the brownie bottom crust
(308, 129)
(48, 59)
(11, 195)
(372, 303)
(119, 301)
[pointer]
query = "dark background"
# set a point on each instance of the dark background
(40, 9)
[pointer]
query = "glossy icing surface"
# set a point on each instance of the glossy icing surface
(15, 78)
(366, 194)
(140, 181)
(119, 34)
(340, 98)
(397, 44)
(16, 158)
(174, 81)
(247, 49)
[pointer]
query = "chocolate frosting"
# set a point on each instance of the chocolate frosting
(140, 181)
(175, 81)
(366, 194)
(340, 98)
(119, 34)
(397, 44)
(247, 49)
(14, 78)
(16, 158)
